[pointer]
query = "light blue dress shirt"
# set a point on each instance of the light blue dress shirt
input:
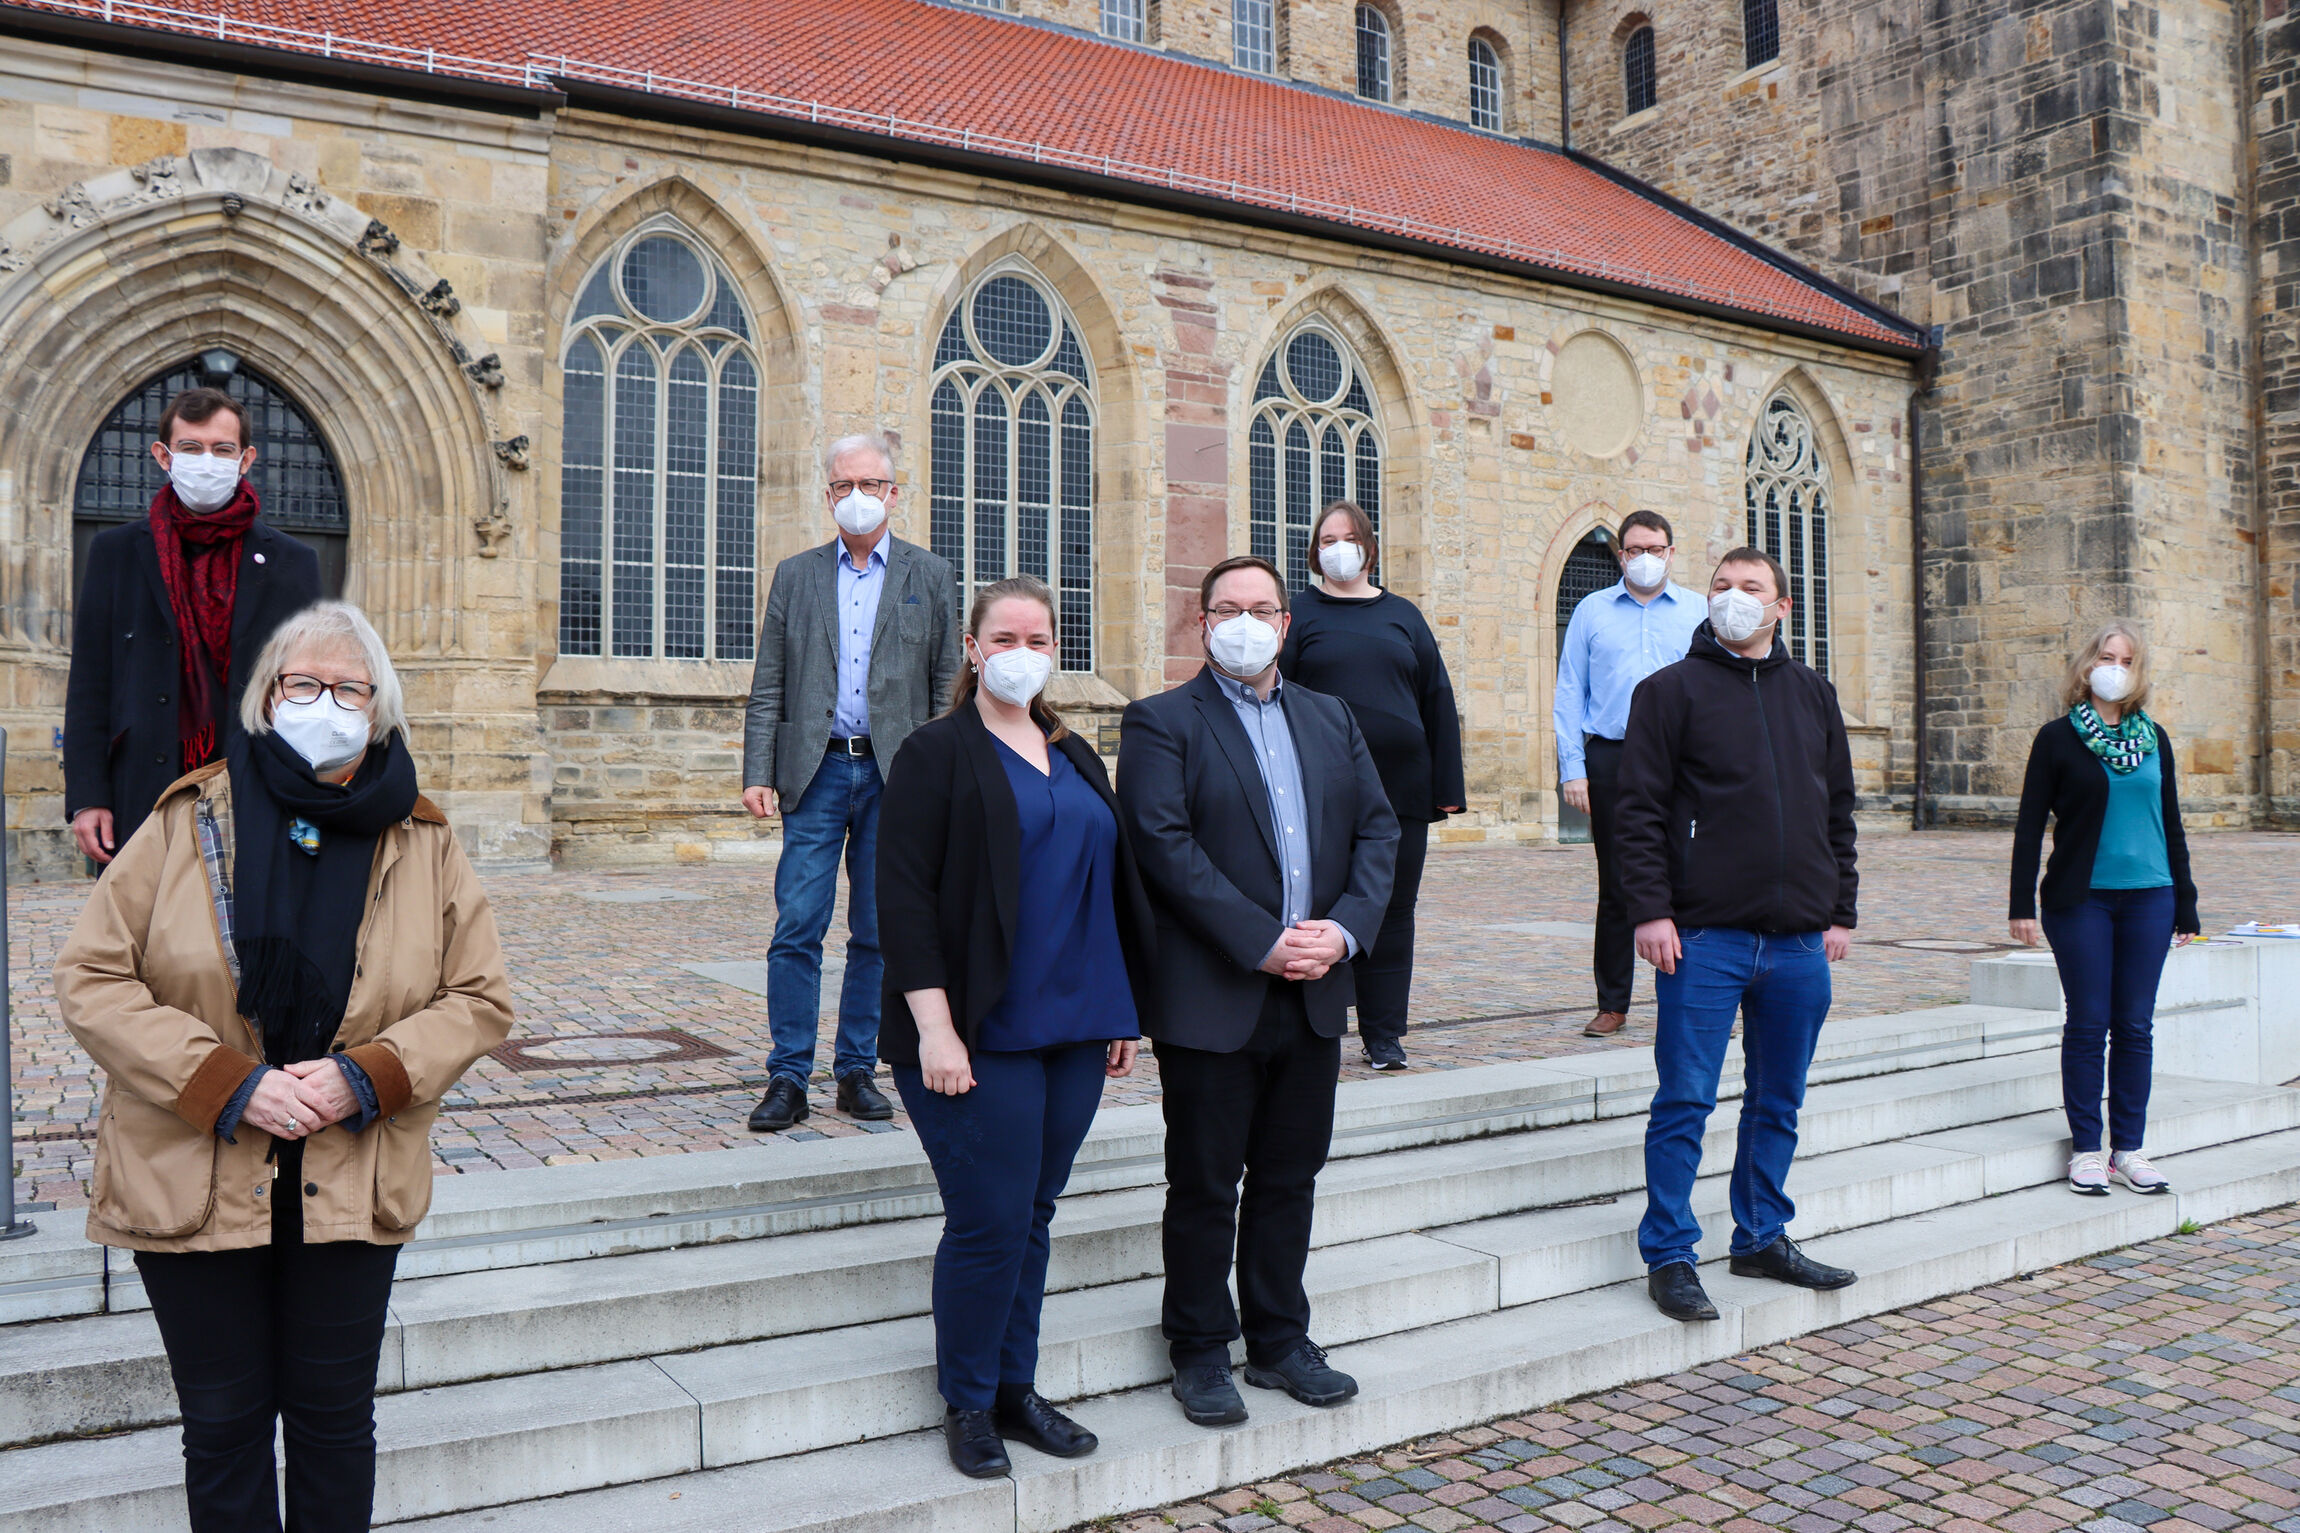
(1273, 742)
(858, 610)
(1613, 642)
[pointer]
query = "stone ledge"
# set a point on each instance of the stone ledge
(591, 679)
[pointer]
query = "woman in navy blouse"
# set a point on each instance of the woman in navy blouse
(1018, 945)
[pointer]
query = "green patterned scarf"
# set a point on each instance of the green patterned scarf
(2121, 747)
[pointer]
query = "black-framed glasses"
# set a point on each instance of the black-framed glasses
(1225, 612)
(875, 488)
(307, 689)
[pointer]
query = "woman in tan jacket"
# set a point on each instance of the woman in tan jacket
(281, 975)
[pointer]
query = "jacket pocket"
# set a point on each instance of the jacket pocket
(155, 1173)
(403, 1166)
(910, 622)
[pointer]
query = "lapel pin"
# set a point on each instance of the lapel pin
(259, 558)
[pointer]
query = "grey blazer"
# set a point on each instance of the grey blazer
(794, 685)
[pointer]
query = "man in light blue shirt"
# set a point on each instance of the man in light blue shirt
(1617, 638)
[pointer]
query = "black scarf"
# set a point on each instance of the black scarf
(296, 913)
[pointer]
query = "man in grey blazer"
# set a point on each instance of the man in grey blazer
(859, 647)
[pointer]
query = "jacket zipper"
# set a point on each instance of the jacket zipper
(1780, 808)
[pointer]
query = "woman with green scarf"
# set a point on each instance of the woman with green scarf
(2117, 896)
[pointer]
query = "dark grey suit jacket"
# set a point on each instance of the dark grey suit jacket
(795, 682)
(1199, 818)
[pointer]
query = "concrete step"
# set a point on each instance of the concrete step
(107, 1373)
(1419, 1382)
(509, 1439)
(778, 1187)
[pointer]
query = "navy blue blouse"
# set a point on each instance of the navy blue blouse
(1066, 981)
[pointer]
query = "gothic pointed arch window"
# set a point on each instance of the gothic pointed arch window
(1786, 492)
(1010, 473)
(658, 475)
(1313, 440)
(295, 474)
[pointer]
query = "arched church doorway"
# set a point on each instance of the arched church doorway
(1591, 567)
(295, 473)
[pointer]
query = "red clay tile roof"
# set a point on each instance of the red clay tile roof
(963, 79)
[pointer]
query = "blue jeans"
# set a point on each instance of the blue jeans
(838, 811)
(2110, 951)
(1001, 1155)
(1780, 987)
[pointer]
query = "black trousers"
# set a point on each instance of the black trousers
(1385, 971)
(1266, 1113)
(287, 1332)
(1614, 956)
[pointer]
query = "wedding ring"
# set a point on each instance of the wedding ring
(294, 1127)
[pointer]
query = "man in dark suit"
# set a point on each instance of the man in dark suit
(1267, 845)
(859, 648)
(172, 610)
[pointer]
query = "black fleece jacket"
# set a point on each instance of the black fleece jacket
(1736, 795)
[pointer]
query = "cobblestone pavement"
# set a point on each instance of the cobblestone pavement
(2153, 1388)
(621, 1050)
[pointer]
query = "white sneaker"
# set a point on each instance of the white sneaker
(2088, 1174)
(2132, 1169)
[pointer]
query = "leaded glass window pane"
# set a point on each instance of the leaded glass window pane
(1484, 86)
(659, 464)
(1786, 495)
(1760, 32)
(1373, 54)
(1011, 456)
(1312, 441)
(1254, 35)
(1639, 89)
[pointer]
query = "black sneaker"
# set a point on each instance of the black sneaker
(1208, 1396)
(1304, 1374)
(1385, 1054)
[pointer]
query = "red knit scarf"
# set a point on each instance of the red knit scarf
(200, 565)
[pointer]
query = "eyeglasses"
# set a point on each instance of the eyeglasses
(1225, 612)
(202, 449)
(306, 689)
(1647, 548)
(875, 488)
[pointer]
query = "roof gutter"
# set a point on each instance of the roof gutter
(180, 48)
(641, 104)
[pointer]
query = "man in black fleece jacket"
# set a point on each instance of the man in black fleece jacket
(1735, 837)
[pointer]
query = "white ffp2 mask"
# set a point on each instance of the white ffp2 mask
(860, 514)
(2110, 683)
(1341, 562)
(1735, 615)
(1645, 571)
(203, 481)
(1016, 675)
(322, 731)
(1243, 646)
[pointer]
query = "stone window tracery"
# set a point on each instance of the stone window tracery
(1011, 461)
(1373, 54)
(1786, 493)
(1485, 86)
(658, 479)
(1313, 440)
(1639, 88)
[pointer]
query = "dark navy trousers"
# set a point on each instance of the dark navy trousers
(2110, 951)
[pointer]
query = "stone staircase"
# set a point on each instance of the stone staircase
(738, 1339)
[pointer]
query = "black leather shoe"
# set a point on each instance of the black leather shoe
(1784, 1263)
(1026, 1417)
(975, 1449)
(1677, 1292)
(784, 1104)
(858, 1098)
(1304, 1374)
(1208, 1396)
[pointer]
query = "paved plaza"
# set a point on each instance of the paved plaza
(2157, 1388)
(642, 1019)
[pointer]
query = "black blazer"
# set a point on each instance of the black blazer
(121, 744)
(2068, 781)
(950, 878)
(1200, 817)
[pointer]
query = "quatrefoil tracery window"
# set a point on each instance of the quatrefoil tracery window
(1011, 467)
(1787, 497)
(1313, 440)
(659, 462)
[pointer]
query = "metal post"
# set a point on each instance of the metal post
(11, 1227)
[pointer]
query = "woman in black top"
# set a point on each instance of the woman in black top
(1373, 649)
(1008, 997)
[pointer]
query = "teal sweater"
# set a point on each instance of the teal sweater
(2132, 852)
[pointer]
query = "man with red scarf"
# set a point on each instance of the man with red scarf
(171, 611)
